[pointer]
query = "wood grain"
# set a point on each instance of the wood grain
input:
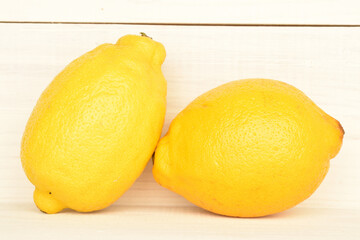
(323, 12)
(322, 62)
(157, 223)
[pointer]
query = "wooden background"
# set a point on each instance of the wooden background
(313, 45)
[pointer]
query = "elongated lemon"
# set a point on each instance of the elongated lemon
(96, 126)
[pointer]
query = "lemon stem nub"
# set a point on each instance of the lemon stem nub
(45, 201)
(144, 35)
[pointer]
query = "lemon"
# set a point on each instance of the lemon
(248, 148)
(96, 126)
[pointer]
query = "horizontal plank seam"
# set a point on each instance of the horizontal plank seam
(188, 24)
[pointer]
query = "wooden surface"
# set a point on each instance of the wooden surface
(318, 12)
(324, 62)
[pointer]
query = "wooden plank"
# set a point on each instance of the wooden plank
(322, 62)
(323, 12)
(176, 223)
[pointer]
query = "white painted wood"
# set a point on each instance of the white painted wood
(322, 62)
(185, 11)
(176, 223)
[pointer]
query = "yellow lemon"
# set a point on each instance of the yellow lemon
(96, 126)
(248, 148)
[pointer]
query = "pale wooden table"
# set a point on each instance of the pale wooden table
(313, 45)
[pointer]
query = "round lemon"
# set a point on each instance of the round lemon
(248, 148)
